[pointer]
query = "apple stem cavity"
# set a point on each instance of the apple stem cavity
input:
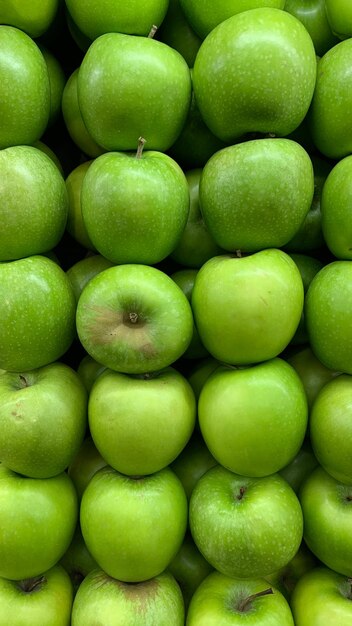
(152, 31)
(241, 493)
(24, 381)
(32, 584)
(141, 142)
(244, 604)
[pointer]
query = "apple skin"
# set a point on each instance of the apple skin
(286, 579)
(245, 527)
(327, 306)
(75, 224)
(185, 279)
(34, 17)
(134, 319)
(85, 464)
(199, 373)
(43, 419)
(57, 82)
(219, 600)
(151, 419)
(139, 78)
(329, 125)
(265, 290)
(133, 527)
(101, 599)
(327, 513)
(176, 32)
(300, 467)
(335, 209)
(194, 460)
(38, 517)
(132, 19)
(339, 15)
(204, 15)
(25, 99)
(45, 600)
(241, 417)
(135, 207)
(84, 270)
(266, 52)
(189, 568)
(77, 561)
(312, 14)
(313, 374)
(37, 310)
(308, 267)
(33, 203)
(88, 370)
(330, 428)
(322, 596)
(256, 194)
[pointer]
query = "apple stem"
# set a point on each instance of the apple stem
(152, 31)
(244, 604)
(241, 494)
(23, 380)
(133, 317)
(30, 584)
(238, 254)
(141, 142)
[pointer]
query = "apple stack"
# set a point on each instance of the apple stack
(175, 246)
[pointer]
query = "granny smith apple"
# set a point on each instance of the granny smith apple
(37, 520)
(45, 599)
(196, 245)
(194, 460)
(131, 87)
(312, 14)
(85, 464)
(322, 597)
(133, 526)
(329, 123)
(176, 32)
(43, 419)
(300, 467)
(185, 279)
(204, 15)
(134, 319)
(330, 428)
(37, 311)
(189, 568)
(25, 99)
(135, 206)
(335, 209)
(75, 224)
(313, 374)
(229, 601)
(40, 145)
(34, 16)
(339, 15)
(199, 373)
(245, 527)
(247, 309)
(132, 18)
(73, 119)
(88, 370)
(327, 511)
(241, 417)
(150, 417)
(286, 579)
(102, 599)
(327, 313)
(256, 194)
(57, 82)
(33, 203)
(83, 271)
(308, 266)
(77, 561)
(255, 72)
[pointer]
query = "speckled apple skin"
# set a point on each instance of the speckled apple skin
(336, 209)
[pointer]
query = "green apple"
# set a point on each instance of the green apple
(37, 520)
(135, 206)
(189, 568)
(185, 279)
(134, 319)
(75, 224)
(133, 526)
(40, 145)
(199, 373)
(88, 370)
(104, 600)
(45, 599)
(33, 203)
(330, 428)
(84, 270)
(330, 126)
(247, 309)
(85, 464)
(25, 92)
(322, 596)
(313, 374)
(230, 602)
(37, 311)
(267, 56)
(43, 419)
(327, 514)
(196, 245)
(34, 16)
(73, 119)
(308, 267)
(241, 417)
(245, 527)
(57, 82)
(204, 15)
(176, 32)
(335, 209)
(194, 460)
(312, 14)
(256, 194)
(126, 77)
(286, 579)
(132, 18)
(150, 417)
(77, 561)
(339, 15)
(327, 313)
(300, 467)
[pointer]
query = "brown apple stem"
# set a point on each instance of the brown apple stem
(241, 494)
(133, 318)
(23, 380)
(30, 584)
(238, 254)
(244, 604)
(152, 31)
(141, 142)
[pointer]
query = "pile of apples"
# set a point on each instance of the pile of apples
(176, 306)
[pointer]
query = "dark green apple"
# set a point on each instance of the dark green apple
(88, 370)
(75, 224)
(84, 270)
(185, 280)
(256, 194)
(34, 16)
(131, 87)
(189, 568)
(322, 597)
(85, 464)
(57, 82)
(335, 209)
(255, 72)
(77, 561)
(286, 579)
(308, 267)
(313, 374)
(339, 15)
(312, 14)
(176, 32)
(194, 460)
(200, 372)
(300, 467)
